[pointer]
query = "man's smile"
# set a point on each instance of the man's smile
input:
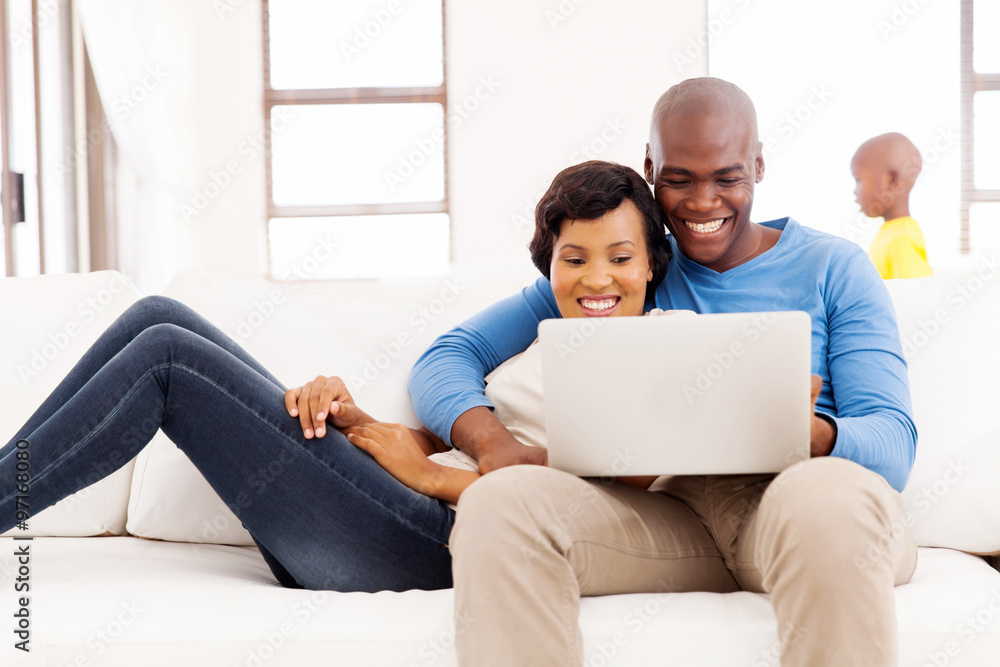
(705, 227)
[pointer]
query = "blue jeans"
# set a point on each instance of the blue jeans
(324, 513)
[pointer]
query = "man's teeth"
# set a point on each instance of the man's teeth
(704, 227)
(603, 304)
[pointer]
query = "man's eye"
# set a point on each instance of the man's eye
(675, 184)
(729, 181)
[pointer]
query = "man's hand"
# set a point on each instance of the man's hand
(325, 397)
(822, 434)
(478, 433)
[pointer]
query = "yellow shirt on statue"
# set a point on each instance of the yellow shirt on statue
(898, 250)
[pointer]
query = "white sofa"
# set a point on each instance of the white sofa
(195, 593)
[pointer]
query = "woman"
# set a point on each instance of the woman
(330, 517)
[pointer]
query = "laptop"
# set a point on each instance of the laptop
(680, 394)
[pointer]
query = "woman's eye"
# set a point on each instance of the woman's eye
(576, 261)
(621, 260)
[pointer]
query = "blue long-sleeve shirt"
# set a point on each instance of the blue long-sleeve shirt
(855, 340)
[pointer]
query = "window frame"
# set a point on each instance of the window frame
(330, 96)
(972, 82)
(6, 174)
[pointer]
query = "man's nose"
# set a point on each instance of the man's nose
(704, 199)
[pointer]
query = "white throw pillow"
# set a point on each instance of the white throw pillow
(949, 327)
(52, 321)
(296, 334)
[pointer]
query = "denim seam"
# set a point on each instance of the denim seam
(385, 510)
(114, 411)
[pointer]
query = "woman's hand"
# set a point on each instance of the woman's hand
(325, 397)
(396, 450)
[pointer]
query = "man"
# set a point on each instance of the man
(529, 540)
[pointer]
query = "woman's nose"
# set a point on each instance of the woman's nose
(598, 277)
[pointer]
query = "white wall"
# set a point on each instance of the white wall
(825, 81)
(567, 74)
(531, 82)
(181, 83)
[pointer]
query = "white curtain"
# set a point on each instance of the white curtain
(181, 84)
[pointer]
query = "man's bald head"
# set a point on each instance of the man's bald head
(703, 160)
(893, 153)
(704, 96)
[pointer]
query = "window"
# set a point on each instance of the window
(49, 118)
(980, 132)
(875, 66)
(356, 145)
(22, 221)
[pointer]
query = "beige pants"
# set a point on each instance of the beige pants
(826, 538)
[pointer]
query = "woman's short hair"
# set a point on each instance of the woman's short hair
(587, 191)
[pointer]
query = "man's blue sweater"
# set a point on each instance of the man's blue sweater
(855, 340)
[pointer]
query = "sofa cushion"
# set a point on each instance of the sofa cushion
(50, 322)
(949, 327)
(296, 334)
(123, 601)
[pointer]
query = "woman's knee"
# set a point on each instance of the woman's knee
(152, 310)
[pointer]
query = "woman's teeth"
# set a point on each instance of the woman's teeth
(603, 304)
(704, 227)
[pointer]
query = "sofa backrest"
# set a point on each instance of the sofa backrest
(949, 327)
(49, 322)
(296, 334)
(947, 324)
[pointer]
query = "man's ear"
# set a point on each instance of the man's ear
(647, 166)
(759, 162)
